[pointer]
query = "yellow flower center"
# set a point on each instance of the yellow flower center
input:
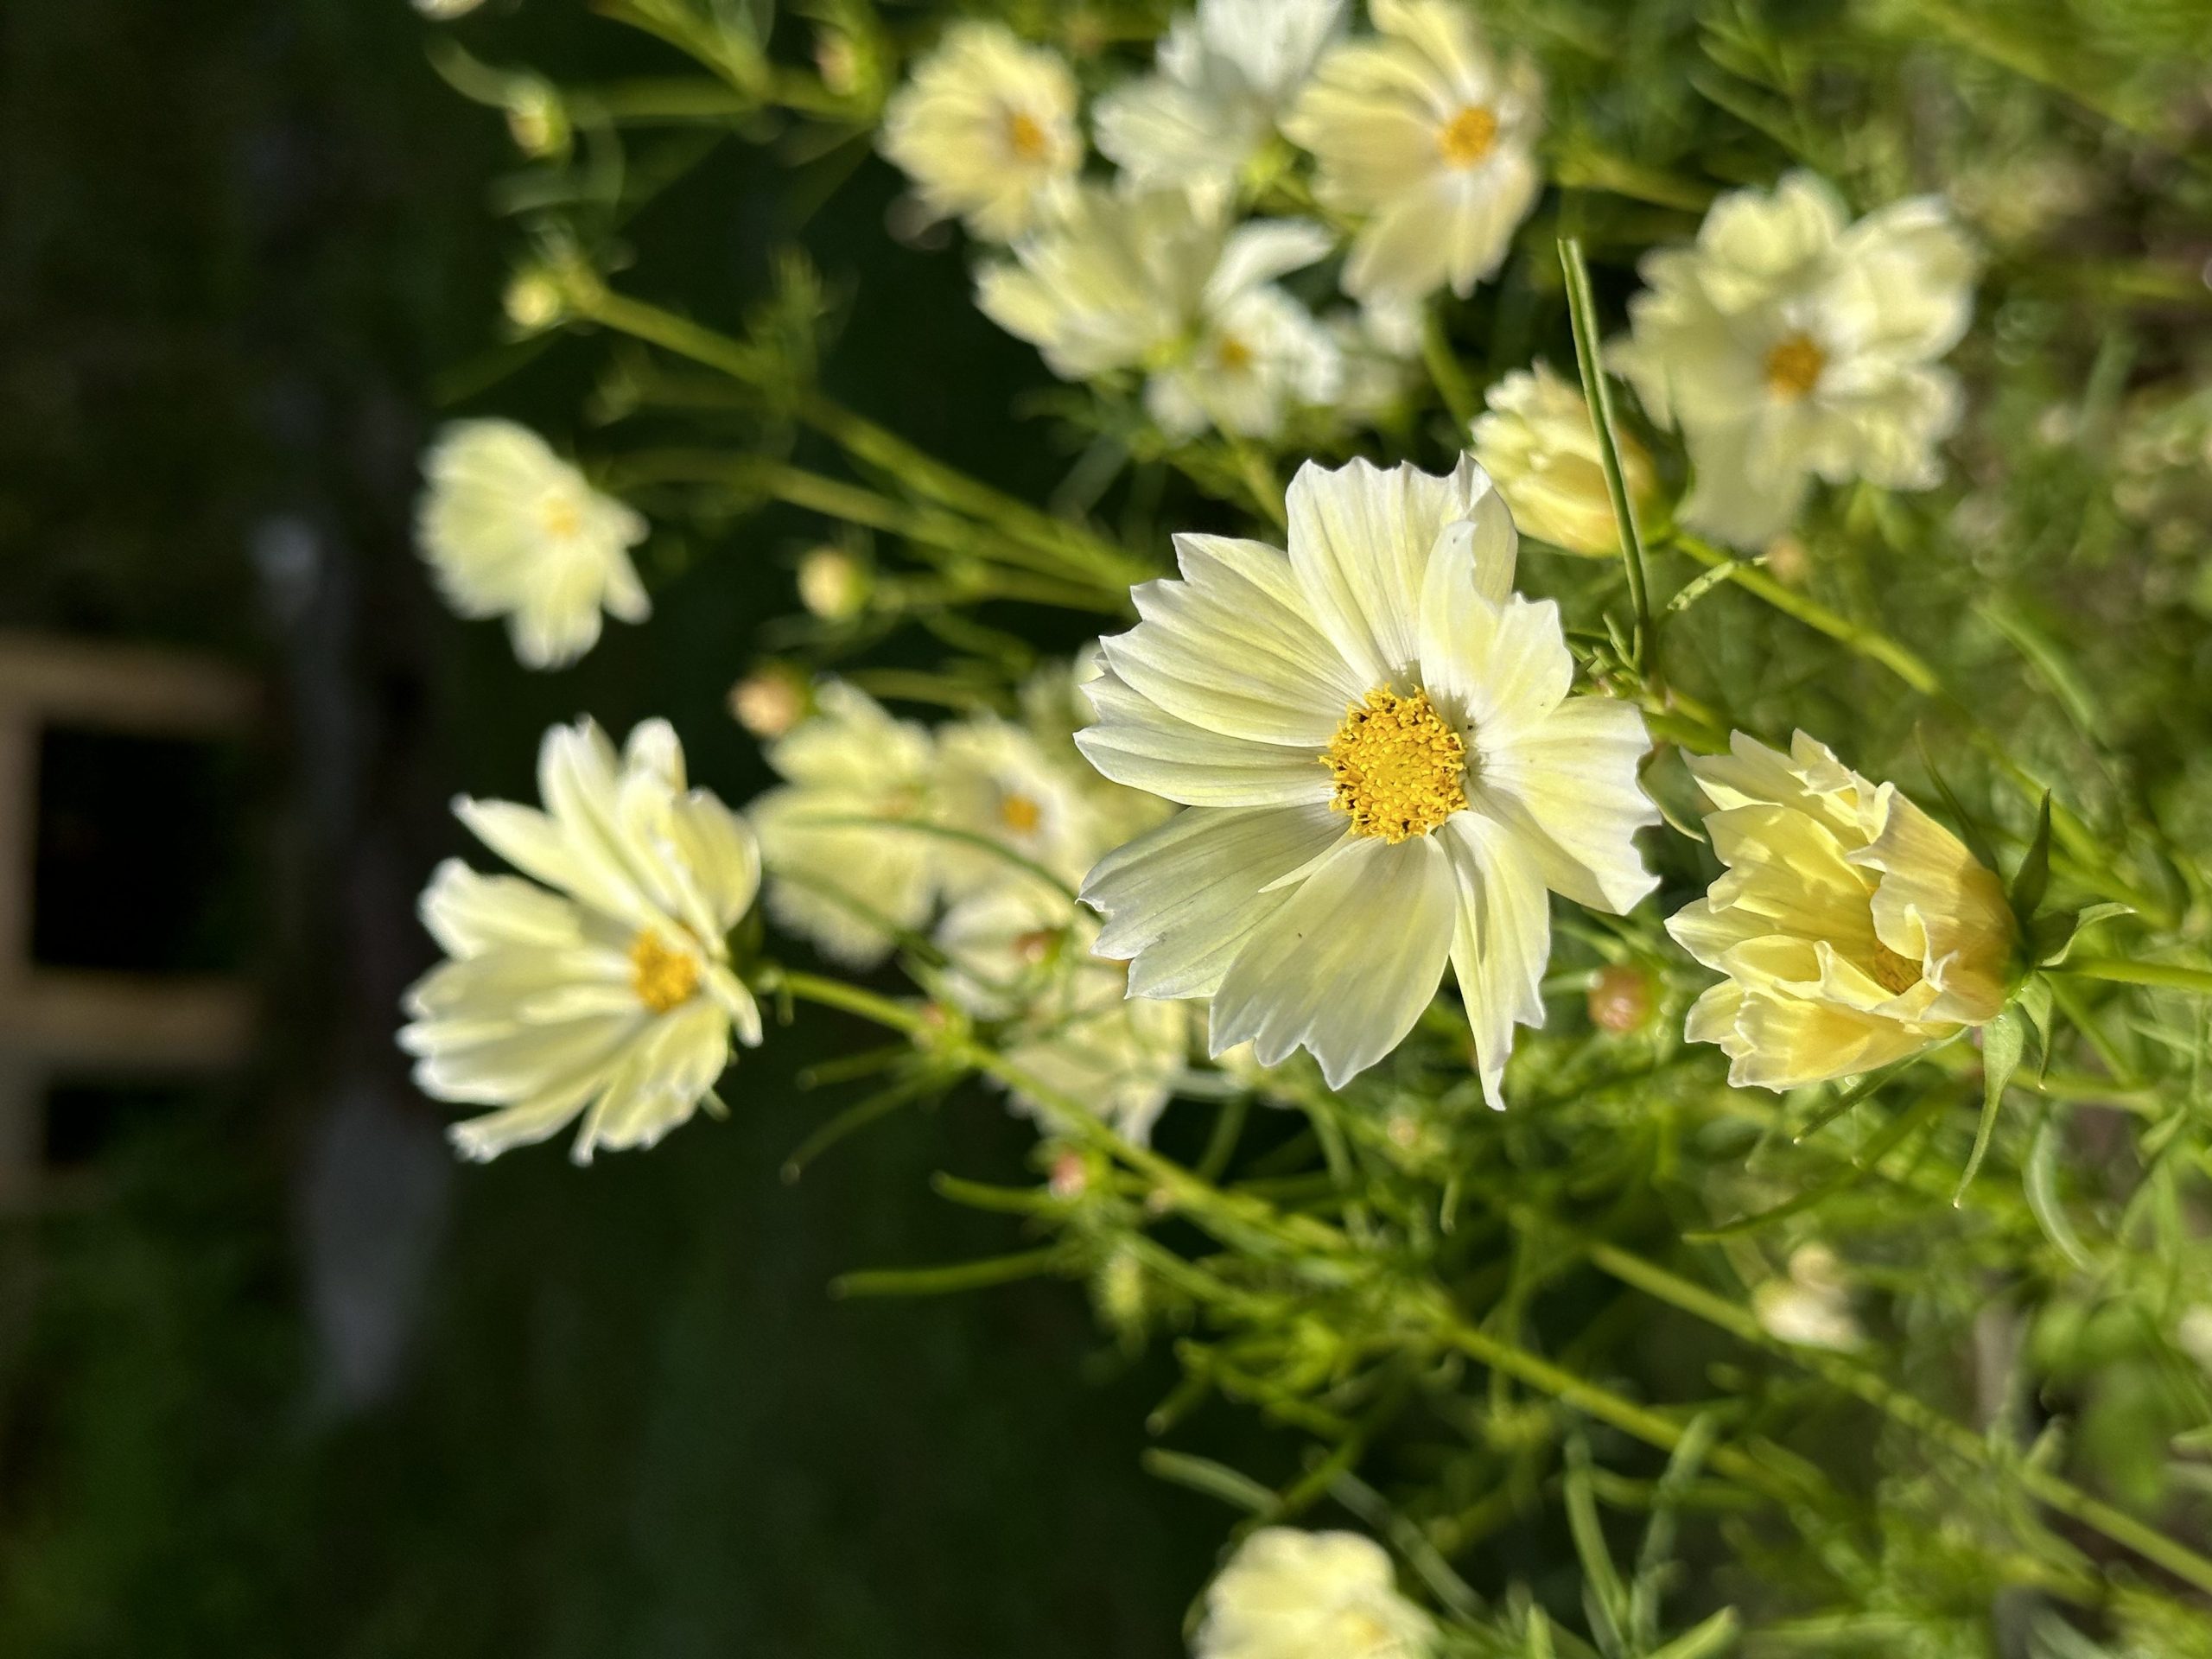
(1399, 770)
(1024, 136)
(561, 517)
(1233, 354)
(1894, 973)
(1793, 367)
(1468, 137)
(1020, 814)
(664, 979)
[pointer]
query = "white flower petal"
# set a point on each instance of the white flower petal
(1360, 541)
(1138, 743)
(1311, 976)
(1180, 902)
(1500, 942)
(1231, 648)
(1567, 789)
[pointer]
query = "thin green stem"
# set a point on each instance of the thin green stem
(1582, 311)
(1874, 645)
(1855, 1379)
(2118, 971)
(858, 436)
(1444, 370)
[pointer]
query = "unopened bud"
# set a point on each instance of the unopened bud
(536, 121)
(1620, 999)
(534, 302)
(832, 584)
(1071, 1176)
(769, 701)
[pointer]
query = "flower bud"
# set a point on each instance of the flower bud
(1538, 444)
(1853, 928)
(536, 120)
(1620, 999)
(534, 301)
(769, 701)
(833, 584)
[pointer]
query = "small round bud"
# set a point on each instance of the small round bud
(536, 121)
(1620, 999)
(1787, 562)
(1071, 1176)
(444, 11)
(832, 584)
(534, 302)
(769, 701)
(838, 62)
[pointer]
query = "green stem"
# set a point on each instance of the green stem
(1444, 370)
(1596, 388)
(1866, 642)
(1863, 1384)
(959, 1275)
(858, 436)
(2117, 970)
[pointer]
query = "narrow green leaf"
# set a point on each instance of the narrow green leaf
(2033, 876)
(2003, 1041)
(2040, 1181)
(1717, 1635)
(956, 1276)
(1204, 1475)
(2054, 952)
(2035, 1000)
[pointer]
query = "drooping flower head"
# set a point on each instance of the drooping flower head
(512, 530)
(997, 786)
(1022, 953)
(1853, 928)
(1227, 74)
(840, 870)
(601, 987)
(986, 129)
(1790, 343)
(1381, 769)
(1538, 442)
(1158, 282)
(1288, 1594)
(1423, 133)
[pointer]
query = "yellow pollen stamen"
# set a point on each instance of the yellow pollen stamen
(1024, 136)
(1794, 366)
(1020, 814)
(1468, 137)
(1399, 770)
(664, 979)
(1233, 354)
(1894, 973)
(561, 517)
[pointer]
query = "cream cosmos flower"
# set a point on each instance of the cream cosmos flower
(1538, 442)
(512, 530)
(1020, 952)
(1226, 74)
(1788, 344)
(837, 872)
(986, 129)
(1288, 1594)
(1425, 135)
(995, 783)
(1381, 769)
(601, 986)
(1157, 280)
(1853, 928)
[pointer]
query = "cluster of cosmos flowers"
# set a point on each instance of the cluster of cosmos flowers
(1313, 779)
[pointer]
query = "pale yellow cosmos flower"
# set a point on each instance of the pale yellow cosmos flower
(1792, 343)
(1288, 1594)
(1853, 928)
(1423, 134)
(601, 988)
(986, 129)
(1381, 770)
(510, 529)
(1538, 442)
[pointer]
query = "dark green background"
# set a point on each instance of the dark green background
(240, 240)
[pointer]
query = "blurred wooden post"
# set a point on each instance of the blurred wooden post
(70, 1022)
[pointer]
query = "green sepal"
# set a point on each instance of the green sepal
(2032, 878)
(2003, 1040)
(2052, 936)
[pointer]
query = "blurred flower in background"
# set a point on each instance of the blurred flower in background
(986, 129)
(1288, 1594)
(1538, 444)
(512, 530)
(601, 987)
